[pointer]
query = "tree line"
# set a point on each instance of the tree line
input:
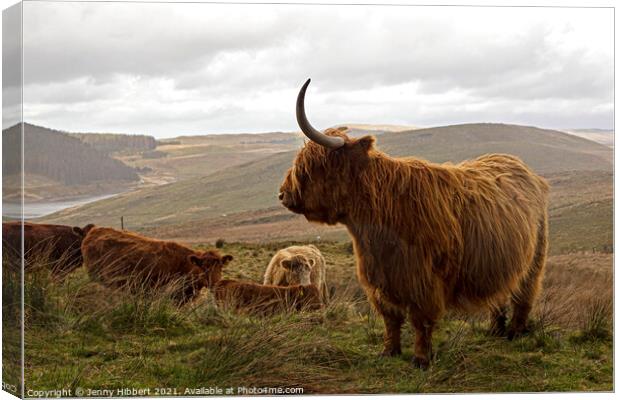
(115, 142)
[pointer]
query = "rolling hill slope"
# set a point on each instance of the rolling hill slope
(544, 150)
(190, 157)
(57, 164)
(602, 136)
(238, 201)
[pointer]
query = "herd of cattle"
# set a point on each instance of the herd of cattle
(294, 280)
(427, 238)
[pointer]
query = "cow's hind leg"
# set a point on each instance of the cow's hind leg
(522, 302)
(423, 347)
(393, 320)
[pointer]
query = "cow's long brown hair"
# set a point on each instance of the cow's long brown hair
(430, 206)
(428, 236)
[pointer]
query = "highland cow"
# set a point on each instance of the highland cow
(58, 246)
(266, 299)
(120, 259)
(298, 265)
(427, 237)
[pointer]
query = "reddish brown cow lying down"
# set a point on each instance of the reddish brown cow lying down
(265, 299)
(123, 259)
(56, 245)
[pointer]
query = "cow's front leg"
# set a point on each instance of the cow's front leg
(423, 348)
(393, 319)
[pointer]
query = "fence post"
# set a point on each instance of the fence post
(122, 223)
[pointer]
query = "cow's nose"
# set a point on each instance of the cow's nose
(281, 195)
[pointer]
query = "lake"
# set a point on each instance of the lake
(41, 209)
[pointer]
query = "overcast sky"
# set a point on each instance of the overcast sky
(173, 69)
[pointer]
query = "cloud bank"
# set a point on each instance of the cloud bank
(172, 69)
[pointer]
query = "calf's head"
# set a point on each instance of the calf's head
(298, 269)
(82, 232)
(212, 263)
(324, 179)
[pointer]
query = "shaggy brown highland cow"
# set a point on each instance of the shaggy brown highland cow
(124, 259)
(427, 237)
(266, 299)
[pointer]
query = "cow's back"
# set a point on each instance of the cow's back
(11, 238)
(115, 257)
(254, 297)
(55, 243)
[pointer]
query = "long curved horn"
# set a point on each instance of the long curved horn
(331, 142)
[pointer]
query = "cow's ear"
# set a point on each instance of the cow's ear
(87, 228)
(287, 264)
(78, 231)
(227, 258)
(194, 259)
(366, 143)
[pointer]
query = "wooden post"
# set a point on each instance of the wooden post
(122, 223)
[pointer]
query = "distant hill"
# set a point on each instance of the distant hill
(544, 150)
(60, 157)
(115, 142)
(190, 157)
(250, 189)
(602, 136)
(358, 130)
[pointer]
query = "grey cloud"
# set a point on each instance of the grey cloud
(171, 67)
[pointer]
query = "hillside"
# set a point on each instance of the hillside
(189, 157)
(358, 130)
(56, 157)
(602, 136)
(239, 203)
(546, 151)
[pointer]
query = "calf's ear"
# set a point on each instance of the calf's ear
(287, 264)
(78, 231)
(227, 258)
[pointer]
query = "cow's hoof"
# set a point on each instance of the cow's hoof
(420, 362)
(515, 333)
(390, 353)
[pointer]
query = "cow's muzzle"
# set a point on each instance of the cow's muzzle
(289, 202)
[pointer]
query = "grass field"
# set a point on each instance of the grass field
(81, 335)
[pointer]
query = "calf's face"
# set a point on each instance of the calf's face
(212, 264)
(298, 269)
